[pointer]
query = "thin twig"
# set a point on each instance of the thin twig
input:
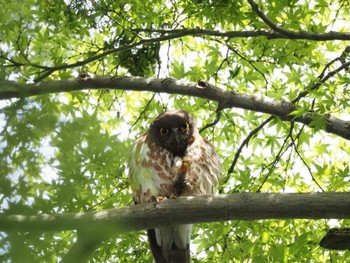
(213, 123)
(307, 166)
(244, 143)
(296, 34)
(278, 156)
(321, 81)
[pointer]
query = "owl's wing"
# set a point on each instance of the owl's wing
(148, 173)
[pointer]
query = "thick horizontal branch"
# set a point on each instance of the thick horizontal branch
(202, 89)
(243, 206)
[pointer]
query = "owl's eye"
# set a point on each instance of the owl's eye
(185, 127)
(163, 131)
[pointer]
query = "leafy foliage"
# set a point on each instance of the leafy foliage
(66, 152)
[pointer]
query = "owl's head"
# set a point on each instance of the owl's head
(173, 131)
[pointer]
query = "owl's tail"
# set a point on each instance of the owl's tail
(174, 255)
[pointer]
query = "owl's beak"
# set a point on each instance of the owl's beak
(178, 136)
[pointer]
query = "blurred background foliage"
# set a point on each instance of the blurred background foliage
(66, 152)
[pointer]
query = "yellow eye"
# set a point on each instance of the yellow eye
(164, 131)
(185, 127)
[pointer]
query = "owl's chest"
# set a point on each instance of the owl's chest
(167, 165)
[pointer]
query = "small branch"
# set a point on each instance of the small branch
(176, 33)
(179, 33)
(246, 142)
(322, 80)
(306, 165)
(213, 123)
(336, 238)
(278, 156)
(294, 34)
(191, 209)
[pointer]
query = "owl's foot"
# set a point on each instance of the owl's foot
(185, 166)
(172, 196)
(158, 198)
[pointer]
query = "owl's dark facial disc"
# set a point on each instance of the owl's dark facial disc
(173, 131)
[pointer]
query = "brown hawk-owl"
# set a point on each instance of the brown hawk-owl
(172, 159)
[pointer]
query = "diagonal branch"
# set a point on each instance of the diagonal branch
(322, 80)
(47, 71)
(175, 34)
(245, 142)
(201, 89)
(294, 34)
(279, 33)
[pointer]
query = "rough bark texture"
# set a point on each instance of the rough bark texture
(193, 209)
(202, 89)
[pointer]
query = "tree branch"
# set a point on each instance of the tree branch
(183, 210)
(202, 89)
(279, 32)
(294, 34)
(172, 34)
(178, 33)
(245, 142)
(191, 209)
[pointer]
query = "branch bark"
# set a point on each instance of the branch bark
(279, 33)
(191, 209)
(202, 89)
(297, 34)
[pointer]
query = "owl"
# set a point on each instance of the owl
(170, 160)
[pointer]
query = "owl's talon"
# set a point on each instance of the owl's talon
(158, 198)
(186, 161)
(185, 166)
(172, 196)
